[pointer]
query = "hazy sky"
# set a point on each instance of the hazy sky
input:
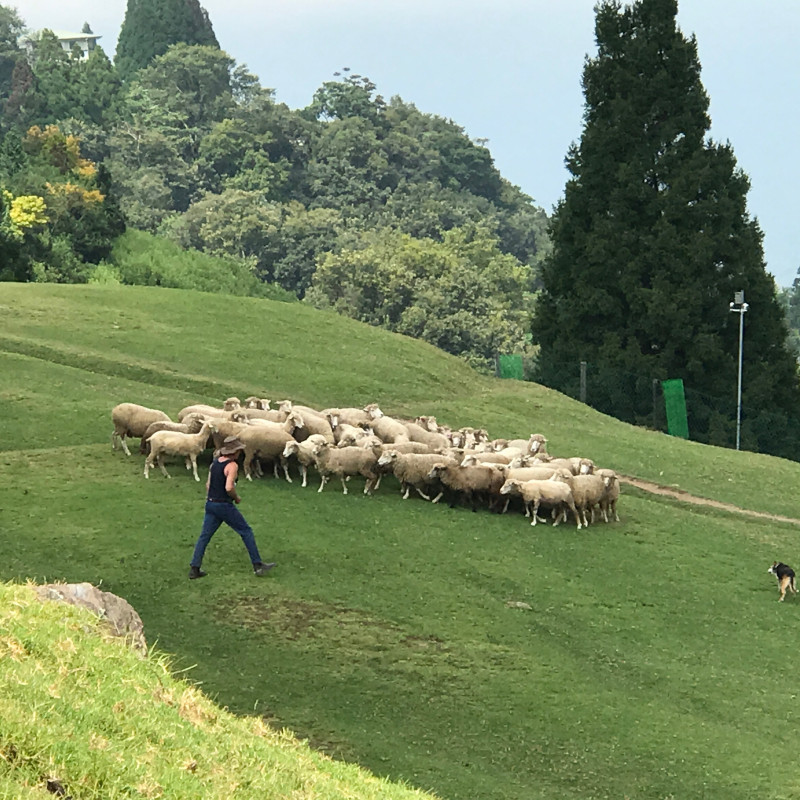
(509, 71)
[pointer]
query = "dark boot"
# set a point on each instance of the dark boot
(262, 569)
(196, 572)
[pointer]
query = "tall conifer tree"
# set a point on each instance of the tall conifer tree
(652, 239)
(152, 26)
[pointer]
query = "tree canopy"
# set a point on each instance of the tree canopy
(151, 27)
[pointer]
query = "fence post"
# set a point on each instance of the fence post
(655, 403)
(583, 381)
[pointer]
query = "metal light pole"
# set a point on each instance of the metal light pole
(738, 300)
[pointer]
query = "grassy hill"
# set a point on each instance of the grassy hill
(653, 661)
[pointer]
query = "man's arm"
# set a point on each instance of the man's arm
(231, 473)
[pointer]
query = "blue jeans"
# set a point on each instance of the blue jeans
(216, 514)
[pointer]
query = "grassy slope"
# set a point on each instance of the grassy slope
(653, 658)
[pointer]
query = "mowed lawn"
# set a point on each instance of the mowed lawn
(470, 654)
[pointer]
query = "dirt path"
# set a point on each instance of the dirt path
(680, 494)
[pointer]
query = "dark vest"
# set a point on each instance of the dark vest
(216, 486)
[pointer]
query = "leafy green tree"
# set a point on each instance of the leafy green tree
(461, 294)
(151, 27)
(56, 78)
(99, 89)
(11, 28)
(653, 238)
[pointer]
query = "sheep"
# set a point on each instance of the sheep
(576, 465)
(405, 447)
(131, 419)
(345, 462)
(434, 439)
(191, 424)
(313, 421)
(551, 494)
(608, 502)
(587, 492)
(188, 445)
(269, 441)
(271, 414)
(412, 470)
(256, 402)
(347, 434)
(357, 417)
(485, 458)
(390, 430)
(468, 482)
(537, 444)
(304, 451)
(231, 404)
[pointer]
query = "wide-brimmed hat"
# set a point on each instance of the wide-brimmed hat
(230, 446)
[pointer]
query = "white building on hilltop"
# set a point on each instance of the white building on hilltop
(85, 41)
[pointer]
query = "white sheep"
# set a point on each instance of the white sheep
(131, 419)
(587, 492)
(228, 407)
(256, 402)
(434, 439)
(304, 453)
(556, 495)
(390, 430)
(191, 424)
(345, 462)
(412, 470)
(188, 445)
(470, 483)
(608, 502)
(358, 417)
(313, 421)
(268, 441)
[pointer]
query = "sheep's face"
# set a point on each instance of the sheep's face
(373, 410)
(290, 449)
(389, 457)
(510, 487)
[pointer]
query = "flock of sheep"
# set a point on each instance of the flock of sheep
(433, 460)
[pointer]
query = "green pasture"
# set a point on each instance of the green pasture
(467, 654)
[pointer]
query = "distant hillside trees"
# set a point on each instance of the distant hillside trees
(650, 243)
(151, 27)
(461, 294)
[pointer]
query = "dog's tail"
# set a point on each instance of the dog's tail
(791, 584)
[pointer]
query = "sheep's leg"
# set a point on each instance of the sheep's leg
(344, 480)
(124, 444)
(377, 483)
(194, 469)
(285, 465)
(405, 488)
(147, 465)
(438, 497)
(322, 483)
(161, 466)
(421, 493)
(304, 473)
(534, 512)
(248, 461)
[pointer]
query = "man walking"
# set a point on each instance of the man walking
(221, 496)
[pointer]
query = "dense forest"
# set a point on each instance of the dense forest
(397, 218)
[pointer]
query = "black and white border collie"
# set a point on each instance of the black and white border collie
(785, 576)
